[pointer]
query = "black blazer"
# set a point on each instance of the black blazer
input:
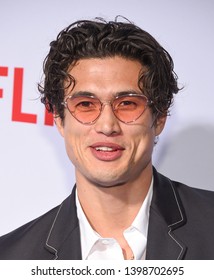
(181, 226)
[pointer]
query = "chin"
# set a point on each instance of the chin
(108, 181)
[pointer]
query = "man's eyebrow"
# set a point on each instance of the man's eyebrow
(83, 93)
(126, 92)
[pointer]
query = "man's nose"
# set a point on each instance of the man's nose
(107, 123)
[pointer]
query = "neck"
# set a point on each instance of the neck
(110, 210)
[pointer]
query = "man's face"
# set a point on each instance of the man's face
(109, 152)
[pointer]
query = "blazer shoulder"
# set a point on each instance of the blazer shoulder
(197, 202)
(26, 238)
(195, 193)
(182, 188)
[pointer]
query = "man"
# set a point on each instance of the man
(110, 86)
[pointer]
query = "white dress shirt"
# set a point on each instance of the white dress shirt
(95, 247)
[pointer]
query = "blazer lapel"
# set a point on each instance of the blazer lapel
(63, 240)
(166, 215)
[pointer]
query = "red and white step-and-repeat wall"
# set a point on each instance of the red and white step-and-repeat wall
(35, 174)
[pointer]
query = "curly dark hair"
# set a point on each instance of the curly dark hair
(100, 39)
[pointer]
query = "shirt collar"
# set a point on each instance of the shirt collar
(89, 237)
(142, 219)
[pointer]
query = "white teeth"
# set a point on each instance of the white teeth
(105, 149)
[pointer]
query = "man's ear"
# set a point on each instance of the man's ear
(59, 124)
(159, 124)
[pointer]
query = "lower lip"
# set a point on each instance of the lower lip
(106, 156)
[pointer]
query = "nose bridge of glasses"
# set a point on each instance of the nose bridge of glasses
(106, 102)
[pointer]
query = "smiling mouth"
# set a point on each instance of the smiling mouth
(107, 152)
